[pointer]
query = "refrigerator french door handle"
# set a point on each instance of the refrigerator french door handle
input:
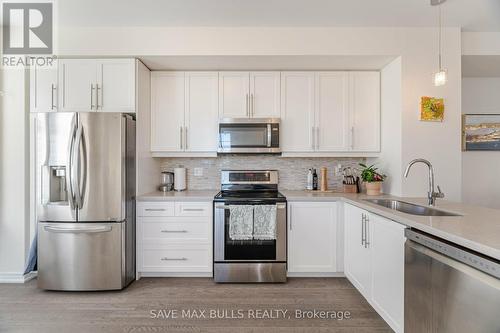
(78, 153)
(71, 172)
(90, 230)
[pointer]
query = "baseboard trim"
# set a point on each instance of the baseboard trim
(11, 277)
(172, 274)
(318, 275)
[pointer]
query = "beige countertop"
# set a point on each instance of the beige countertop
(477, 229)
(188, 195)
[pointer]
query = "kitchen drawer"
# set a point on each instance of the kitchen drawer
(195, 258)
(155, 209)
(185, 229)
(193, 209)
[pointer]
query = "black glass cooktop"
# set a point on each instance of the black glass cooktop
(249, 195)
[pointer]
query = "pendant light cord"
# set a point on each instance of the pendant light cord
(439, 34)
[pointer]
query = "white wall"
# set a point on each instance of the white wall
(481, 184)
(438, 142)
(390, 132)
(480, 43)
(148, 169)
(14, 175)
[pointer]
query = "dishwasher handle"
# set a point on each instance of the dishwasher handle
(448, 252)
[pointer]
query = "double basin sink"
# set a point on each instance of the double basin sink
(409, 208)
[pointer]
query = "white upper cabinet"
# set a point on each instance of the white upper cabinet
(331, 116)
(43, 88)
(77, 79)
(249, 94)
(330, 112)
(201, 113)
(364, 91)
(115, 85)
(297, 112)
(167, 111)
(264, 94)
(184, 114)
(234, 95)
(105, 85)
(312, 234)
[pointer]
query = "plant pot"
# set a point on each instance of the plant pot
(373, 188)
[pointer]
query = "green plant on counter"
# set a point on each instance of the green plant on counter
(369, 174)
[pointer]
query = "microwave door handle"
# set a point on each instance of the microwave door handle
(269, 138)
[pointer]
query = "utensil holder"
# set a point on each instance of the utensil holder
(350, 188)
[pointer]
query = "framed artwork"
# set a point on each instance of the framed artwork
(481, 132)
(431, 109)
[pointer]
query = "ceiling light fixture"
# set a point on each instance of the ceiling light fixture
(441, 76)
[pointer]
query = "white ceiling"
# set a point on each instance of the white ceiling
(255, 63)
(481, 66)
(471, 15)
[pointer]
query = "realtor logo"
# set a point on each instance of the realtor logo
(27, 28)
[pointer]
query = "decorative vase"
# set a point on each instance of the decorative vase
(373, 188)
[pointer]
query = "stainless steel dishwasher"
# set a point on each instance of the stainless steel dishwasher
(449, 288)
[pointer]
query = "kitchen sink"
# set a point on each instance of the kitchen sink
(410, 208)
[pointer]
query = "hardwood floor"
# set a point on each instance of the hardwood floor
(25, 308)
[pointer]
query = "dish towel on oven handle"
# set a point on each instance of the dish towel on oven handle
(264, 225)
(241, 222)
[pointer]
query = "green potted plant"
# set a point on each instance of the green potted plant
(372, 179)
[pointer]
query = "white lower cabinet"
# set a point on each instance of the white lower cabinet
(357, 264)
(312, 234)
(174, 239)
(374, 262)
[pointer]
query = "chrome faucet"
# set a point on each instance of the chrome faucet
(431, 195)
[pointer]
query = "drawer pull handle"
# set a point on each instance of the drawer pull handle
(174, 231)
(193, 209)
(155, 209)
(173, 259)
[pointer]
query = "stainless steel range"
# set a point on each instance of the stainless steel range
(250, 228)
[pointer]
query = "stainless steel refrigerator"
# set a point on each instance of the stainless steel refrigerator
(85, 192)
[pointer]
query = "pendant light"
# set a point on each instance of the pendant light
(441, 76)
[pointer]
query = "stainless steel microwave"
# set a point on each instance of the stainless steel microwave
(249, 135)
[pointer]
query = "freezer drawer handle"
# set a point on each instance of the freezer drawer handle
(174, 231)
(78, 230)
(173, 259)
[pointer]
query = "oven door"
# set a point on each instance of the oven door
(249, 136)
(227, 250)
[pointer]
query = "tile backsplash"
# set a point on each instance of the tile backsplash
(292, 171)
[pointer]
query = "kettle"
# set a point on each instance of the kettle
(166, 181)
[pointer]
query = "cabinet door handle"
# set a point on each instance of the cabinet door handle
(193, 209)
(155, 209)
(367, 230)
(352, 137)
(176, 259)
(247, 109)
(363, 229)
(97, 96)
(313, 145)
(317, 137)
(174, 231)
(52, 106)
(92, 96)
(180, 141)
(252, 103)
(185, 137)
